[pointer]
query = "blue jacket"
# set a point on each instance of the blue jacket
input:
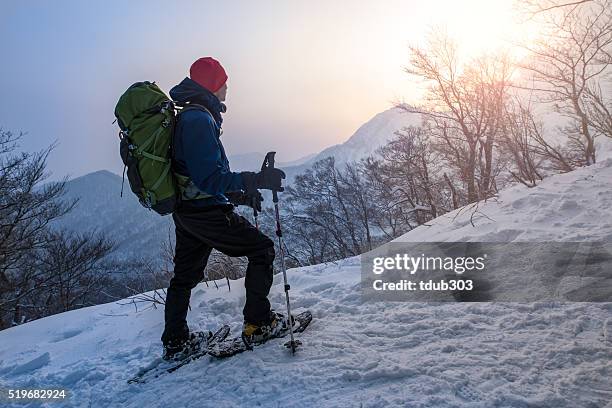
(198, 151)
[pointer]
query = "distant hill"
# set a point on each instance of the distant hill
(137, 231)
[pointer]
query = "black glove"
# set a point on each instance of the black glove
(267, 179)
(252, 200)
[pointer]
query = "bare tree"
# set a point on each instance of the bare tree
(329, 212)
(355, 190)
(534, 7)
(136, 276)
(221, 266)
(73, 272)
(599, 109)
(522, 139)
(42, 270)
(308, 243)
(567, 66)
(411, 166)
(463, 109)
(389, 214)
(26, 209)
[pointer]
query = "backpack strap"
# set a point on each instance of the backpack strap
(187, 188)
(193, 106)
(152, 140)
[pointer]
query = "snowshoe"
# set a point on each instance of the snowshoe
(179, 349)
(254, 337)
(189, 352)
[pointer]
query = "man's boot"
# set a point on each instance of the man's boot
(257, 333)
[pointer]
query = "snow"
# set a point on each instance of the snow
(364, 142)
(408, 354)
(355, 353)
(574, 206)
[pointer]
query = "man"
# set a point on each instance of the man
(205, 218)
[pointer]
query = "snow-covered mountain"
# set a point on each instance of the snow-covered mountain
(355, 352)
(370, 136)
(373, 134)
(365, 141)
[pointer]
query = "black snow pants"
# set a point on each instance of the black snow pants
(198, 231)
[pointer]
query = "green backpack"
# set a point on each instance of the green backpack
(147, 117)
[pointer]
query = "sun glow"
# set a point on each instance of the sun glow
(481, 26)
(477, 27)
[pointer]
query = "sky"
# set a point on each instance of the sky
(303, 75)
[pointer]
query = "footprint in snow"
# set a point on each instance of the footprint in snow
(66, 334)
(607, 332)
(468, 393)
(320, 287)
(32, 365)
(490, 338)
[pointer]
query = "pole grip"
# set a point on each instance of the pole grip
(268, 162)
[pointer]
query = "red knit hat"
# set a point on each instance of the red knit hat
(209, 73)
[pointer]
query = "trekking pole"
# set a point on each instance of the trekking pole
(255, 214)
(292, 344)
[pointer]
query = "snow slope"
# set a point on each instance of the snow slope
(574, 206)
(380, 354)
